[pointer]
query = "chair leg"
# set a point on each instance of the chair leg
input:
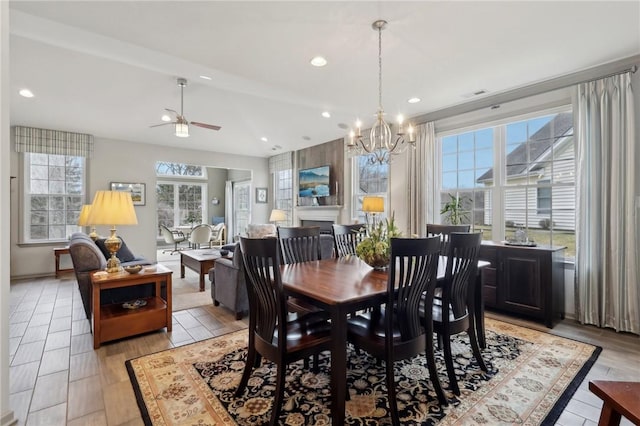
(475, 348)
(279, 396)
(391, 392)
(433, 371)
(448, 358)
(251, 362)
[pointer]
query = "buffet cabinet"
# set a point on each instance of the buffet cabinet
(527, 281)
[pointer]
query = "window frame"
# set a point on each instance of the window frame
(283, 203)
(176, 205)
(25, 197)
(500, 186)
(356, 205)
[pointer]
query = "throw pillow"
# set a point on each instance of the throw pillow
(124, 254)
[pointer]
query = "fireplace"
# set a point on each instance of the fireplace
(322, 216)
(325, 225)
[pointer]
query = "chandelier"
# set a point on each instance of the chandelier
(381, 143)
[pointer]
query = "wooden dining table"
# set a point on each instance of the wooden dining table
(341, 286)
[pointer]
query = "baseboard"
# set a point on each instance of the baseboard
(31, 277)
(7, 419)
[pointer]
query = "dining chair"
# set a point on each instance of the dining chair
(399, 331)
(201, 234)
(453, 312)
(444, 231)
(346, 238)
(174, 237)
(271, 334)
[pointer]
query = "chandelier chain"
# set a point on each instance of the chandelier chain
(380, 68)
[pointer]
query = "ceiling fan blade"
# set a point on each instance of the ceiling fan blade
(172, 110)
(205, 125)
(163, 124)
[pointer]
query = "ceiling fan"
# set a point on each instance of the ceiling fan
(181, 124)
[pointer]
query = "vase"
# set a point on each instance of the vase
(378, 261)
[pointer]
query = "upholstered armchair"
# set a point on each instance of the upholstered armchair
(227, 284)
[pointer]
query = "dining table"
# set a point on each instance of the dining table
(341, 286)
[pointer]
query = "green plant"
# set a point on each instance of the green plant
(454, 211)
(375, 249)
(192, 218)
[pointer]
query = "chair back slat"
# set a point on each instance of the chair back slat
(346, 238)
(462, 266)
(267, 305)
(413, 271)
(444, 231)
(299, 244)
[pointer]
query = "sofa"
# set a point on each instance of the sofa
(88, 256)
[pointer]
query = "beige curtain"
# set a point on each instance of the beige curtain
(607, 271)
(423, 171)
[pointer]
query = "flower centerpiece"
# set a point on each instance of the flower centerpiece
(375, 248)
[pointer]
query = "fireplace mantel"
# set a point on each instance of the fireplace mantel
(325, 213)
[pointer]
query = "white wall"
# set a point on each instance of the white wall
(122, 161)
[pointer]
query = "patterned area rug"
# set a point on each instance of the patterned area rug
(532, 375)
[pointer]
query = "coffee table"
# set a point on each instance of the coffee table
(199, 261)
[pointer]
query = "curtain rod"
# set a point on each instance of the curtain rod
(556, 83)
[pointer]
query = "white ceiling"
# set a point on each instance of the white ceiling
(110, 68)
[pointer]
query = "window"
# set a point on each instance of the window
(283, 193)
(166, 169)
(54, 192)
(518, 173)
(369, 178)
(241, 206)
(181, 204)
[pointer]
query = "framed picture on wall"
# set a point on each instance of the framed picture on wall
(261, 195)
(137, 191)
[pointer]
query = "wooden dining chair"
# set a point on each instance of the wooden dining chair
(299, 243)
(453, 312)
(346, 238)
(271, 334)
(444, 231)
(398, 331)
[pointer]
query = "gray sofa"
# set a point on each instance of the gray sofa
(87, 257)
(228, 282)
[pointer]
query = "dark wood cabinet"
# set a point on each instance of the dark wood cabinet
(527, 281)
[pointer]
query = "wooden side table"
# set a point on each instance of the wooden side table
(113, 321)
(620, 399)
(57, 252)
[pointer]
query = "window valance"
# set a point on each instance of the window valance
(46, 141)
(280, 162)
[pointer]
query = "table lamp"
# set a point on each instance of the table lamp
(112, 208)
(372, 205)
(277, 216)
(83, 221)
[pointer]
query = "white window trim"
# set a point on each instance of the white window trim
(205, 204)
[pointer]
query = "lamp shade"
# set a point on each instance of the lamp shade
(373, 204)
(112, 208)
(83, 220)
(278, 216)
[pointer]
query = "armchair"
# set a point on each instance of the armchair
(174, 237)
(218, 235)
(228, 284)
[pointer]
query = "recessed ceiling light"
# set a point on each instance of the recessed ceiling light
(414, 100)
(165, 118)
(343, 126)
(204, 77)
(264, 139)
(306, 138)
(326, 114)
(26, 93)
(318, 61)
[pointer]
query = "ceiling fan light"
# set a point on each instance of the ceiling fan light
(182, 130)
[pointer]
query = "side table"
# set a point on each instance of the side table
(620, 399)
(57, 252)
(113, 321)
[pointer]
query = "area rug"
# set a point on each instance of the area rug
(531, 377)
(185, 292)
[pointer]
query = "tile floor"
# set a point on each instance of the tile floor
(56, 378)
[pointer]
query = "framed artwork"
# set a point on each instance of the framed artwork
(261, 195)
(137, 191)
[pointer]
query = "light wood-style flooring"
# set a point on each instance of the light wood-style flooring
(56, 378)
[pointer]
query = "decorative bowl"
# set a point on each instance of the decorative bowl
(133, 269)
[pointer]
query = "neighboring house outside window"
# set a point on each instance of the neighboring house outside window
(368, 179)
(531, 185)
(54, 192)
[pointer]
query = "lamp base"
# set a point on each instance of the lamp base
(93, 235)
(113, 244)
